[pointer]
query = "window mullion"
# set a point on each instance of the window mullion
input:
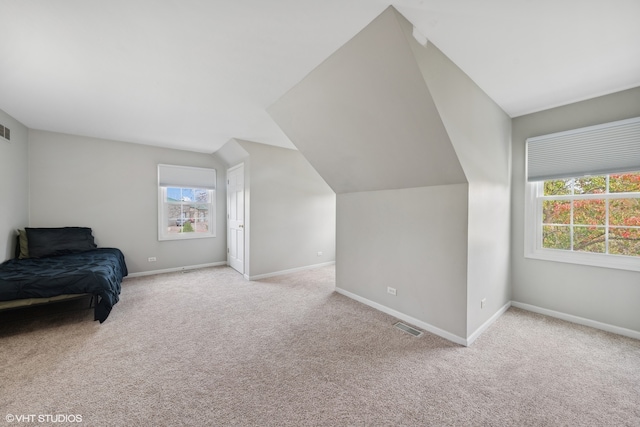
(606, 218)
(593, 196)
(606, 226)
(573, 182)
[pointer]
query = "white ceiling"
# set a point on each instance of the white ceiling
(192, 74)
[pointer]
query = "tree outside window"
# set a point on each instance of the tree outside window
(596, 214)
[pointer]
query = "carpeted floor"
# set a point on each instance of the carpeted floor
(209, 348)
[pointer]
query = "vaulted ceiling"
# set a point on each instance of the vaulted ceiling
(192, 74)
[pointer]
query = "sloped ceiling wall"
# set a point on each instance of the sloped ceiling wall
(232, 153)
(478, 128)
(386, 113)
(365, 118)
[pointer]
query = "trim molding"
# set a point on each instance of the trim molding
(172, 270)
(579, 320)
(488, 323)
(468, 341)
(419, 323)
(291, 270)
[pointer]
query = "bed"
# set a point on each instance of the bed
(55, 264)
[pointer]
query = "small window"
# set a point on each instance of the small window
(186, 208)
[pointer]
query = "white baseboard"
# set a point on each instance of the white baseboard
(413, 321)
(488, 323)
(291, 270)
(423, 325)
(579, 320)
(173, 270)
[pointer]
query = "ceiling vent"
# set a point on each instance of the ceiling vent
(5, 133)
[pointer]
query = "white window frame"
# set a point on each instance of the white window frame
(176, 173)
(534, 196)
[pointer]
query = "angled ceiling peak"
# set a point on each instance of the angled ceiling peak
(232, 153)
(365, 118)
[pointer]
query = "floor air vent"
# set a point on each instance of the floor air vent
(408, 329)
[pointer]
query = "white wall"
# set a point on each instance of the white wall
(605, 295)
(112, 187)
(480, 132)
(489, 253)
(291, 211)
(14, 184)
(414, 240)
(386, 113)
(365, 118)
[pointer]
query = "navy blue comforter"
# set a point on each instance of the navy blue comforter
(97, 271)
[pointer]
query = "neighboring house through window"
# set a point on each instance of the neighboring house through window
(186, 202)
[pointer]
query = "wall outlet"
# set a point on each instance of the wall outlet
(320, 253)
(483, 301)
(391, 290)
(152, 259)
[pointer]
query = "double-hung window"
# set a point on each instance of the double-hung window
(583, 196)
(186, 202)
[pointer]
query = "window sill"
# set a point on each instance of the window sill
(618, 262)
(185, 237)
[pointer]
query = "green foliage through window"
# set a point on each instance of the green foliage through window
(187, 228)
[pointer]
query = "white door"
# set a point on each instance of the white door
(235, 217)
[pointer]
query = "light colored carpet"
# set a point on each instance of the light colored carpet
(209, 348)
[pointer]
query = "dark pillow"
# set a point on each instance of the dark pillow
(45, 242)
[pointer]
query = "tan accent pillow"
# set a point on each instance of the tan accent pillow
(24, 244)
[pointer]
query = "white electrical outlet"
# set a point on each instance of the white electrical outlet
(391, 290)
(320, 253)
(152, 259)
(483, 301)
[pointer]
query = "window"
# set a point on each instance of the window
(186, 202)
(589, 215)
(578, 216)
